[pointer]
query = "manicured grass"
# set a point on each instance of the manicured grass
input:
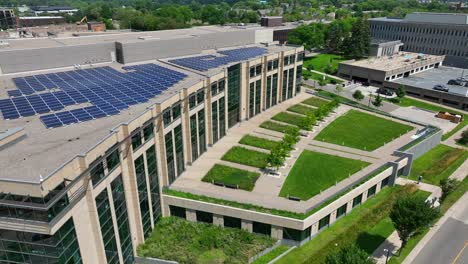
(315, 101)
(258, 142)
(451, 199)
(301, 109)
(246, 156)
(342, 99)
(232, 176)
(289, 118)
(363, 131)
(275, 126)
(321, 61)
(187, 242)
(407, 101)
(265, 259)
(438, 164)
(376, 235)
(314, 172)
(348, 229)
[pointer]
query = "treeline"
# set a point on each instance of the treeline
(348, 36)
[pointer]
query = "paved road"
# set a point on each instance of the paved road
(449, 245)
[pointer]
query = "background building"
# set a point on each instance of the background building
(428, 33)
(7, 18)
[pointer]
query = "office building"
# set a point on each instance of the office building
(428, 33)
(7, 18)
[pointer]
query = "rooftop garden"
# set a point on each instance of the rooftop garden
(363, 131)
(315, 101)
(258, 142)
(186, 242)
(230, 176)
(274, 126)
(301, 109)
(247, 157)
(314, 172)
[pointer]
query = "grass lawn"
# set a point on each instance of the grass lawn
(376, 235)
(315, 101)
(275, 126)
(265, 259)
(187, 242)
(362, 219)
(451, 199)
(289, 118)
(438, 163)
(307, 75)
(363, 131)
(321, 61)
(407, 101)
(232, 176)
(314, 171)
(258, 142)
(301, 109)
(246, 156)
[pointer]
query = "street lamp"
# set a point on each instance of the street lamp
(386, 255)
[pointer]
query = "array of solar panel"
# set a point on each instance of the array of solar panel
(207, 62)
(108, 90)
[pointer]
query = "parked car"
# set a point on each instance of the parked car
(385, 91)
(455, 82)
(440, 87)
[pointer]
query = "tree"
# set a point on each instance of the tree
(358, 43)
(401, 91)
(358, 95)
(277, 156)
(377, 101)
(338, 88)
(447, 186)
(350, 254)
(464, 138)
(410, 214)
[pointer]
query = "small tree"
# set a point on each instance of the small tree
(410, 214)
(447, 186)
(358, 95)
(401, 92)
(277, 157)
(351, 254)
(377, 101)
(338, 88)
(464, 138)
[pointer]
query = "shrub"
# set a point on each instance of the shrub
(448, 186)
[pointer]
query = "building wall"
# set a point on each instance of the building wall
(90, 178)
(12, 61)
(429, 38)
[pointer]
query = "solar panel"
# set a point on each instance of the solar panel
(108, 90)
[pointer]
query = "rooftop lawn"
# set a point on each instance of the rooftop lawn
(320, 62)
(314, 172)
(246, 156)
(232, 176)
(258, 142)
(438, 163)
(270, 125)
(301, 109)
(356, 227)
(363, 131)
(289, 118)
(407, 101)
(187, 242)
(315, 101)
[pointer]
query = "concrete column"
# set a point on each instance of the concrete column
(333, 217)
(393, 176)
(314, 229)
(379, 187)
(190, 215)
(218, 220)
(364, 196)
(408, 166)
(247, 225)
(349, 207)
(276, 232)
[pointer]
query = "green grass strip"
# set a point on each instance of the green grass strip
(258, 142)
(315, 101)
(314, 172)
(232, 176)
(301, 109)
(247, 157)
(282, 128)
(290, 119)
(438, 164)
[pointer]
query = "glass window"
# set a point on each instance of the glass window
(143, 195)
(107, 227)
(232, 222)
(214, 89)
(167, 117)
(221, 85)
(148, 131)
(194, 137)
(177, 211)
(275, 64)
(201, 131)
(222, 117)
(258, 70)
(204, 217)
(175, 112)
(179, 148)
(97, 173)
(357, 200)
(252, 71)
(170, 157)
(292, 59)
(296, 235)
(214, 120)
(324, 222)
(371, 191)
(270, 66)
(385, 182)
(234, 77)
(192, 100)
(261, 228)
(113, 160)
(341, 211)
(200, 96)
(286, 60)
(136, 140)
